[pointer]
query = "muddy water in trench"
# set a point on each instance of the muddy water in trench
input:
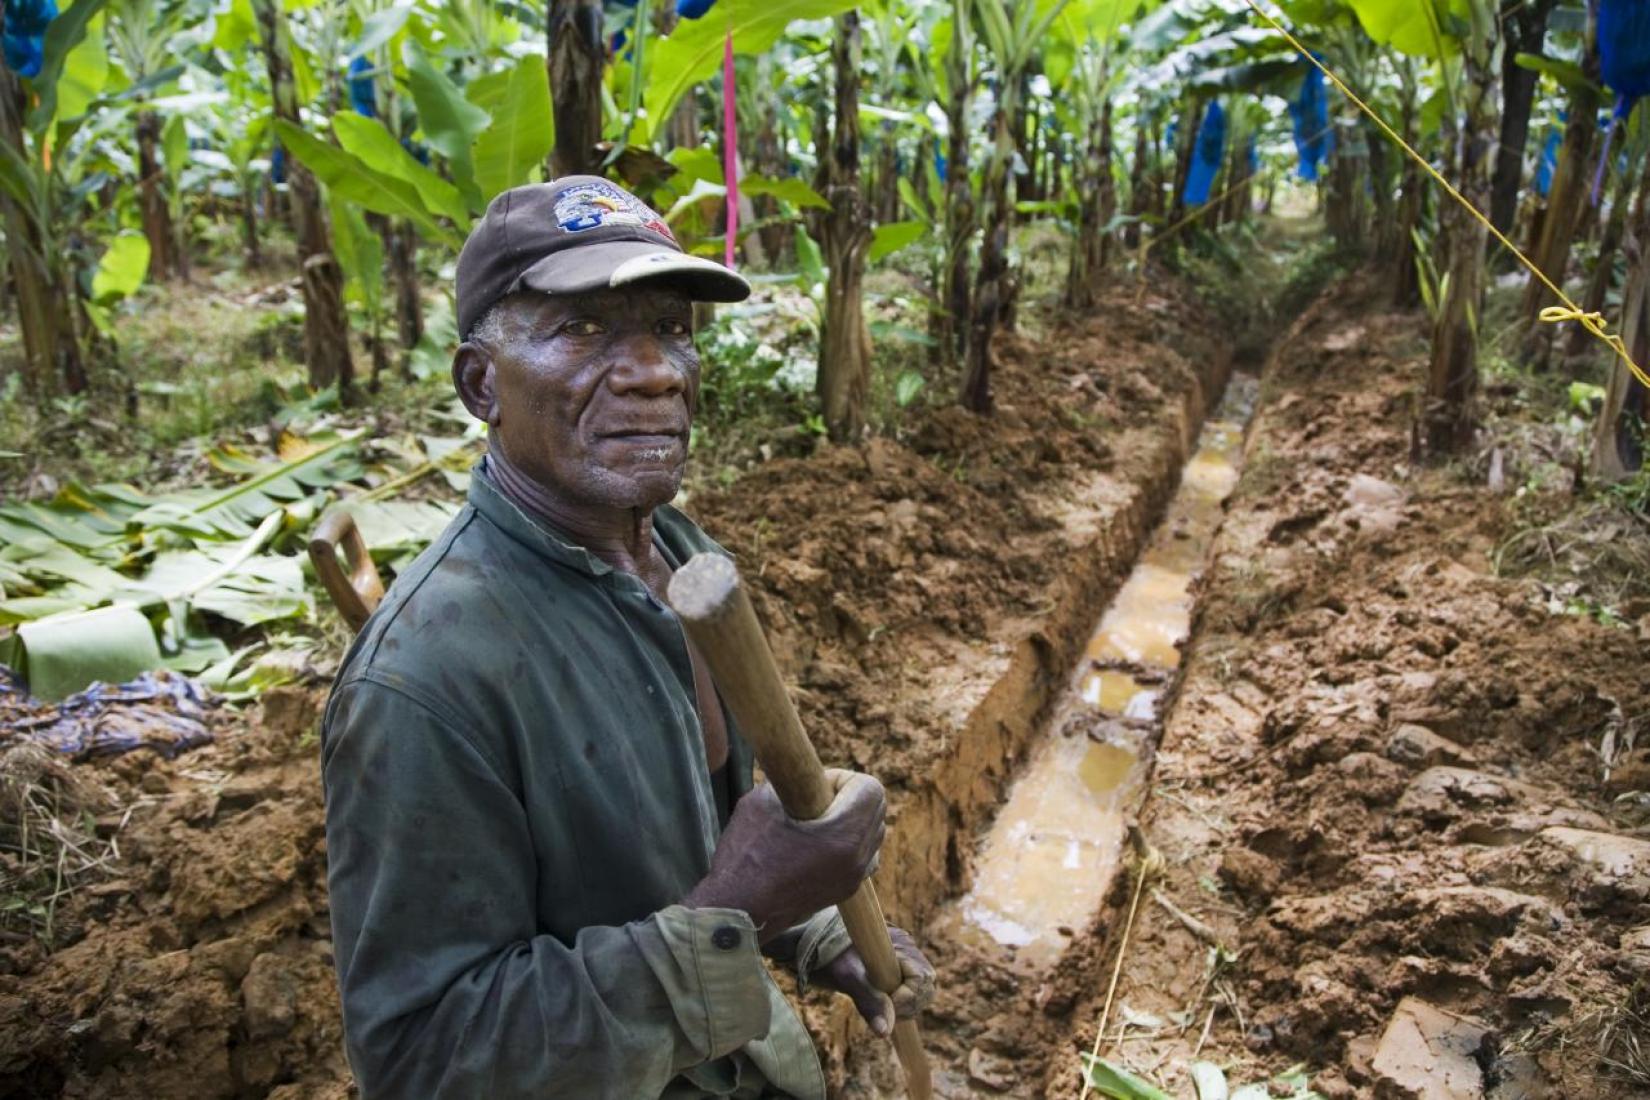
(1045, 865)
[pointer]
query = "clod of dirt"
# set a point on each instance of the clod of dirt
(1609, 869)
(1441, 794)
(1428, 1054)
(989, 1070)
(1420, 747)
(1252, 875)
(1372, 505)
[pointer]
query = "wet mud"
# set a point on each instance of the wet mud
(1388, 797)
(1046, 863)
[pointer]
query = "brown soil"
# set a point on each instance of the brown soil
(927, 595)
(1373, 781)
(205, 968)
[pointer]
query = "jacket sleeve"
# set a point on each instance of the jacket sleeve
(448, 990)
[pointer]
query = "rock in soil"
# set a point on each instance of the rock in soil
(1429, 1054)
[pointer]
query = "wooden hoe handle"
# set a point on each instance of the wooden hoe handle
(718, 616)
(357, 593)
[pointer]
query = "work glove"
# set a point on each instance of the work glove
(781, 871)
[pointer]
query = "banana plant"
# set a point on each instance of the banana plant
(1619, 434)
(1012, 34)
(491, 136)
(1551, 244)
(1078, 60)
(239, 138)
(40, 204)
(692, 52)
(1463, 38)
(141, 36)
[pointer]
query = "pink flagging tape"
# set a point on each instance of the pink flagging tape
(730, 147)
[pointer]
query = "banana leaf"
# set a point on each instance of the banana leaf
(60, 656)
(397, 530)
(1112, 1080)
(232, 512)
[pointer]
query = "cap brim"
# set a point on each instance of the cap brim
(626, 263)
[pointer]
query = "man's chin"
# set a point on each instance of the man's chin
(641, 486)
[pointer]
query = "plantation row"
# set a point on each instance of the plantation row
(376, 132)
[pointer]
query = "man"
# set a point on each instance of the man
(550, 875)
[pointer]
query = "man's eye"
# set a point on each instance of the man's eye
(582, 328)
(674, 328)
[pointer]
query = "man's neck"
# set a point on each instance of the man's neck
(621, 537)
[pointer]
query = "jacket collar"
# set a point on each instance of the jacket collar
(673, 533)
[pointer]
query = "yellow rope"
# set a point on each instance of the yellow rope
(1569, 311)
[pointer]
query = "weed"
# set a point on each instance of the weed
(49, 845)
(1592, 556)
(1254, 596)
(1264, 473)
(1608, 1032)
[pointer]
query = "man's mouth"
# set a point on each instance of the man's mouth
(647, 445)
(644, 438)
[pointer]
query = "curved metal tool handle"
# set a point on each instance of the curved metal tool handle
(717, 615)
(356, 593)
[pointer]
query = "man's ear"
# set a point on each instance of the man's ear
(474, 378)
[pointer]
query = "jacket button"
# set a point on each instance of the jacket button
(726, 937)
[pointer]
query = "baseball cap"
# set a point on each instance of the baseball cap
(572, 235)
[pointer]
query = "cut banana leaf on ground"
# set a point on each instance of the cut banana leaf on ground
(60, 656)
(87, 574)
(1210, 1081)
(259, 589)
(231, 512)
(455, 469)
(36, 563)
(251, 669)
(395, 531)
(61, 653)
(1112, 1080)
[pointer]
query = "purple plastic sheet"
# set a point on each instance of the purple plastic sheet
(159, 710)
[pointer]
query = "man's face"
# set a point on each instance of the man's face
(594, 393)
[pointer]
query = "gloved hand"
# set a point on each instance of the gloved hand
(782, 871)
(846, 974)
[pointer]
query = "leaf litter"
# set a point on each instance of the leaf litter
(104, 581)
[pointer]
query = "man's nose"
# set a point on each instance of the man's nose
(645, 368)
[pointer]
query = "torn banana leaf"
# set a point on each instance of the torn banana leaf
(397, 530)
(233, 512)
(1118, 1083)
(259, 590)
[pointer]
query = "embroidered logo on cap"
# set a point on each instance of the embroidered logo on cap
(593, 205)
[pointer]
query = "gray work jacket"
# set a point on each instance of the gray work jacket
(517, 798)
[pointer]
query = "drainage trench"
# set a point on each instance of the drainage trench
(1042, 870)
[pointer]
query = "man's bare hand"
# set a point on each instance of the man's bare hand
(846, 974)
(782, 871)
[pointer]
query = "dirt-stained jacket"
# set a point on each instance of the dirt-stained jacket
(516, 798)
